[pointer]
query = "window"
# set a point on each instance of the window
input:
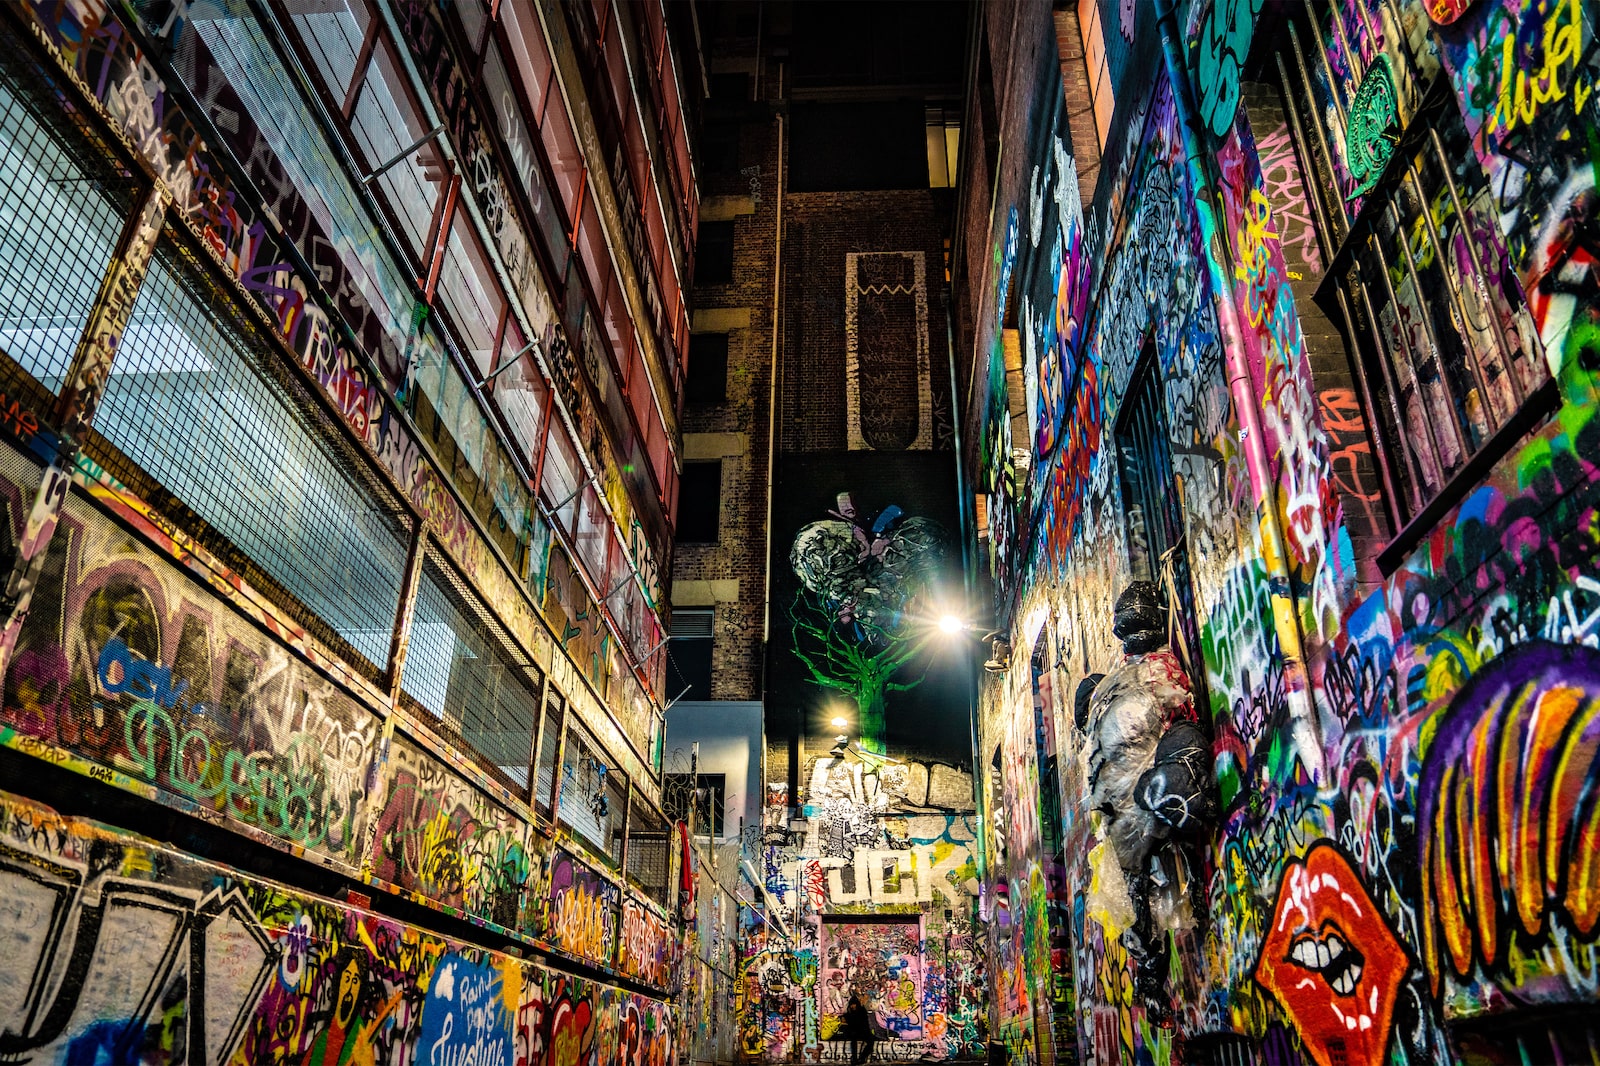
(689, 654)
(708, 368)
(1448, 364)
(698, 799)
(1145, 464)
(700, 503)
(943, 135)
(594, 795)
(549, 751)
(460, 669)
(59, 226)
(276, 489)
(713, 255)
(649, 852)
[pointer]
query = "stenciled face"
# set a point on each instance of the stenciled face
(1331, 961)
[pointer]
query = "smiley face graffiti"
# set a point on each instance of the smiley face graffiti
(1331, 961)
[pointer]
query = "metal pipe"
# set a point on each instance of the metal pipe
(1219, 268)
(397, 160)
(772, 385)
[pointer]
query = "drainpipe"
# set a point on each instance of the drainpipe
(772, 375)
(1220, 271)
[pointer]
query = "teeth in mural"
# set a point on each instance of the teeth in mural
(1345, 983)
(1335, 947)
(1322, 956)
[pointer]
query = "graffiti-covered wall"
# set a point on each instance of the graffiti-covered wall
(1332, 299)
(121, 949)
(869, 894)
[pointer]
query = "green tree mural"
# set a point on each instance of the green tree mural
(853, 620)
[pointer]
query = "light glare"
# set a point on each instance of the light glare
(951, 624)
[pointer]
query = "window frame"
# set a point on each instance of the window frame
(1356, 246)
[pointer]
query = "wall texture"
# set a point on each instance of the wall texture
(1403, 738)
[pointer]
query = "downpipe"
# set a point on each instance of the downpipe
(1241, 388)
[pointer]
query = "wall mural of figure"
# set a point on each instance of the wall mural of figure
(862, 579)
(1149, 775)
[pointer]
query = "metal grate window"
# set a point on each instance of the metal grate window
(594, 795)
(1145, 463)
(59, 223)
(649, 850)
(197, 402)
(549, 751)
(462, 669)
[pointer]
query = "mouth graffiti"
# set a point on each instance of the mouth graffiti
(1339, 996)
(1331, 956)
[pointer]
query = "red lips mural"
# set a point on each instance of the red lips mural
(1331, 961)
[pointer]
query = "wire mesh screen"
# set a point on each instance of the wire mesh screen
(549, 752)
(462, 669)
(197, 405)
(648, 849)
(61, 212)
(593, 795)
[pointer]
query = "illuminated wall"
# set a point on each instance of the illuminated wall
(1399, 670)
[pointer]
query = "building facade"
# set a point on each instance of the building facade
(1290, 310)
(818, 523)
(343, 354)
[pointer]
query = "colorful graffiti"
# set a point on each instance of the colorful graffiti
(1403, 754)
(179, 960)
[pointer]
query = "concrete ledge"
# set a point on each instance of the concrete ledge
(715, 445)
(720, 320)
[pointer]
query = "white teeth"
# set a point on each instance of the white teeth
(1305, 953)
(1335, 947)
(1344, 985)
(1322, 957)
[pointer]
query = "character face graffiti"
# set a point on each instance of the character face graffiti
(349, 994)
(1331, 961)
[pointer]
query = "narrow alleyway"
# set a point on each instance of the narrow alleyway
(666, 532)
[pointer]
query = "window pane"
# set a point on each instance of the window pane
(561, 473)
(253, 70)
(385, 124)
(520, 393)
(458, 669)
(249, 461)
(58, 231)
(333, 33)
(471, 293)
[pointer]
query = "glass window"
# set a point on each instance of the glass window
(561, 473)
(333, 31)
(481, 691)
(520, 392)
(590, 538)
(708, 368)
(471, 293)
(1446, 354)
(58, 232)
(253, 70)
(384, 123)
(253, 460)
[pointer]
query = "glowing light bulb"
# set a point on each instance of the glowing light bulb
(840, 722)
(951, 624)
